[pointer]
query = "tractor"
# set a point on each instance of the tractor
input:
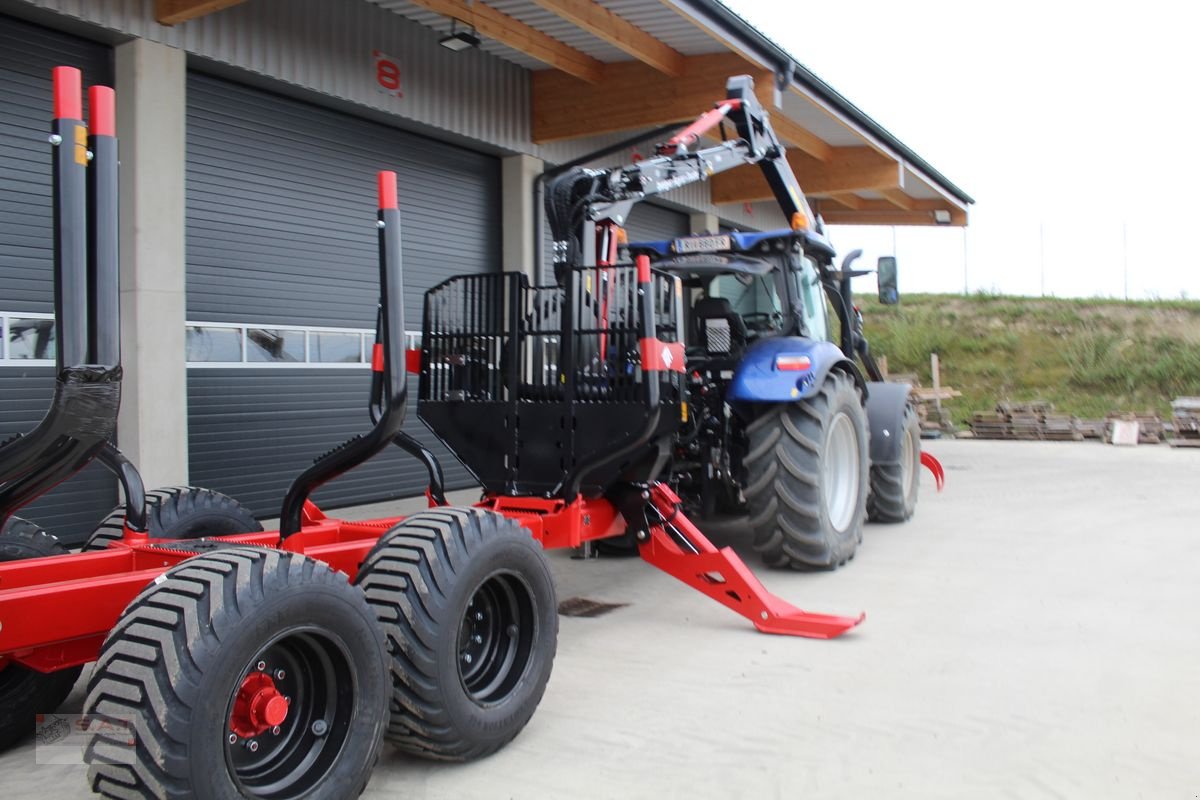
(781, 431)
(231, 661)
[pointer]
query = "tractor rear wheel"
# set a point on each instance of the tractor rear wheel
(468, 605)
(25, 692)
(807, 472)
(180, 512)
(894, 487)
(246, 672)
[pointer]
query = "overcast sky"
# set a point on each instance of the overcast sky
(1074, 125)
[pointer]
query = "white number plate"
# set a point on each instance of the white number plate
(702, 244)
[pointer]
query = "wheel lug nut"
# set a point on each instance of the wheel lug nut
(477, 639)
(252, 746)
(260, 666)
(467, 658)
(320, 727)
(280, 674)
(275, 731)
(233, 738)
(479, 616)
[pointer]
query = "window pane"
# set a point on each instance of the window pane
(264, 344)
(214, 344)
(31, 338)
(335, 348)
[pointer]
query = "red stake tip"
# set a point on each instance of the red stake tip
(643, 269)
(387, 189)
(102, 109)
(68, 98)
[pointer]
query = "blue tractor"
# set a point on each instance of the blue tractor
(782, 431)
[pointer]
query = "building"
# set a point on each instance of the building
(250, 133)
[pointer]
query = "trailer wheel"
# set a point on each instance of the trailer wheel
(180, 512)
(247, 672)
(25, 692)
(894, 487)
(807, 473)
(468, 605)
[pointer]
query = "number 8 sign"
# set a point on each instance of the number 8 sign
(387, 74)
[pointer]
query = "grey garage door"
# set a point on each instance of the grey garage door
(27, 54)
(281, 231)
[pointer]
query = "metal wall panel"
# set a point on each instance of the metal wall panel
(281, 229)
(27, 54)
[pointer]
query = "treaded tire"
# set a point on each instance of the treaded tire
(25, 692)
(188, 646)
(786, 478)
(888, 501)
(427, 578)
(180, 512)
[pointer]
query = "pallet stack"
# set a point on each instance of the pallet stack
(1185, 412)
(1029, 421)
(935, 420)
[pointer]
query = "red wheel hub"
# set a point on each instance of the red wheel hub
(258, 706)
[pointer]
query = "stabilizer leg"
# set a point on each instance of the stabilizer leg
(679, 549)
(934, 466)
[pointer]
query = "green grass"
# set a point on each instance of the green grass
(1086, 356)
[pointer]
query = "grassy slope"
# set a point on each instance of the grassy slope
(1088, 357)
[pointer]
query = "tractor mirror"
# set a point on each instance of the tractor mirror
(889, 295)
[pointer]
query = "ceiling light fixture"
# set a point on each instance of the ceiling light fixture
(458, 40)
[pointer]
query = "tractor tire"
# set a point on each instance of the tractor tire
(25, 692)
(807, 475)
(467, 603)
(246, 672)
(894, 487)
(180, 512)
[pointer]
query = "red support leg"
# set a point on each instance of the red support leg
(934, 466)
(724, 577)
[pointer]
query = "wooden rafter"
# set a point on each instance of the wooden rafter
(848, 200)
(899, 199)
(619, 32)
(519, 36)
(173, 12)
(849, 169)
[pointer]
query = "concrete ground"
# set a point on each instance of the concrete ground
(1034, 632)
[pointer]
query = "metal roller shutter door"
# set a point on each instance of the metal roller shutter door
(280, 229)
(27, 54)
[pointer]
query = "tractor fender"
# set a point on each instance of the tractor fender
(757, 379)
(885, 416)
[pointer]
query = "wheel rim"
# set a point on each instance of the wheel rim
(496, 638)
(289, 715)
(842, 471)
(908, 465)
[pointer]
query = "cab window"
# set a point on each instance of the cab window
(812, 300)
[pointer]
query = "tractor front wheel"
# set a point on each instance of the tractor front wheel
(247, 672)
(894, 487)
(807, 473)
(180, 512)
(468, 605)
(25, 692)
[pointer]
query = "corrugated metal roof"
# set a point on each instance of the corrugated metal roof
(667, 25)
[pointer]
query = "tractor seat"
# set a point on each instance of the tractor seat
(720, 331)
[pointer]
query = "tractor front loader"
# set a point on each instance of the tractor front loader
(273, 664)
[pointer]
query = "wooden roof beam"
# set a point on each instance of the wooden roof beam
(519, 36)
(619, 32)
(173, 12)
(849, 170)
(883, 212)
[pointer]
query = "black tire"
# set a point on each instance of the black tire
(25, 692)
(181, 668)
(456, 698)
(894, 487)
(796, 523)
(180, 512)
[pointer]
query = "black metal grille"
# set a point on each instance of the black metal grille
(519, 408)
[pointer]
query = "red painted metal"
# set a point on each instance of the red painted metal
(102, 111)
(658, 355)
(258, 707)
(643, 269)
(724, 577)
(68, 93)
(706, 122)
(377, 357)
(387, 189)
(933, 465)
(412, 360)
(556, 523)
